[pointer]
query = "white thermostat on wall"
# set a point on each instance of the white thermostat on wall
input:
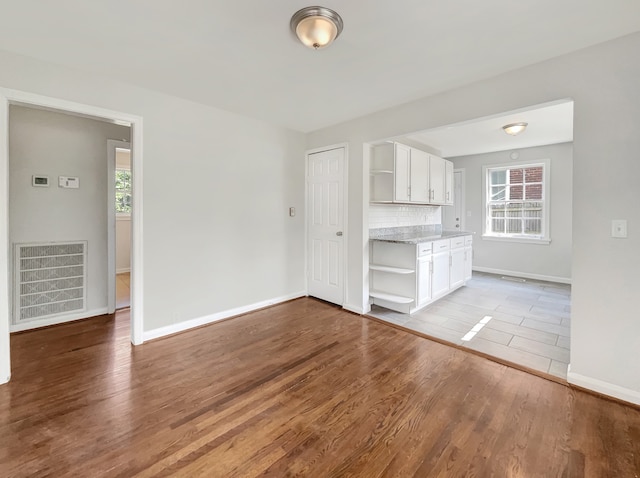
(68, 182)
(40, 181)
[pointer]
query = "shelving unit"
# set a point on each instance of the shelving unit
(391, 269)
(397, 299)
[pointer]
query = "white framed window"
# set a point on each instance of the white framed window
(516, 202)
(123, 192)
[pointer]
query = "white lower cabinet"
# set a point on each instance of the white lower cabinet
(408, 277)
(456, 263)
(468, 257)
(425, 270)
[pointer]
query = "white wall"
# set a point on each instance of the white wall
(544, 261)
(217, 188)
(603, 82)
(54, 144)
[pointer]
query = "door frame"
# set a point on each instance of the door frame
(16, 97)
(345, 208)
(112, 146)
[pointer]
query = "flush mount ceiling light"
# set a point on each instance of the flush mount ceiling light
(316, 27)
(514, 128)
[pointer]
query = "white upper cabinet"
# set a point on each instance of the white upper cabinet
(402, 174)
(436, 178)
(448, 183)
(419, 178)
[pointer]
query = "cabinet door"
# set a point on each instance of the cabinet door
(440, 276)
(456, 277)
(468, 262)
(436, 179)
(424, 281)
(448, 182)
(419, 176)
(401, 172)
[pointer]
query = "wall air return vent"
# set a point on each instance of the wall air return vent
(49, 280)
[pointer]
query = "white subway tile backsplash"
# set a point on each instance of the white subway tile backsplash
(393, 215)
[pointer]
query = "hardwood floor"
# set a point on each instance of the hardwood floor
(299, 389)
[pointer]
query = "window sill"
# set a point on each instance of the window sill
(123, 217)
(520, 240)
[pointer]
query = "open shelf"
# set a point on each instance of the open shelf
(398, 299)
(393, 270)
(381, 171)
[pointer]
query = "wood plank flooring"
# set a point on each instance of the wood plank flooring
(299, 389)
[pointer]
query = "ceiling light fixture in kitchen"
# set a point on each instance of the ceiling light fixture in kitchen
(514, 128)
(316, 27)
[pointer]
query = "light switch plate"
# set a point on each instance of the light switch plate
(619, 228)
(292, 211)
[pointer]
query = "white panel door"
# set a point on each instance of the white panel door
(325, 220)
(452, 218)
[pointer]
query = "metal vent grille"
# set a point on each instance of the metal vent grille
(50, 280)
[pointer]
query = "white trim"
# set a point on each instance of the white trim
(519, 240)
(56, 320)
(208, 319)
(345, 207)
(10, 96)
(112, 217)
(123, 271)
(137, 262)
(354, 309)
(5, 312)
(526, 275)
(606, 388)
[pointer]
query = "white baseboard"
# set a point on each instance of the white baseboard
(354, 309)
(526, 275)
(123, 271)
(61, 319)
(208, 319)
(606, 388)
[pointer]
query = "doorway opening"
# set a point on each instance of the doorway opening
(68, 181)
(120, 209)
(516, 305)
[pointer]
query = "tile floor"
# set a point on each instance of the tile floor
(123, 293)
(529, 325)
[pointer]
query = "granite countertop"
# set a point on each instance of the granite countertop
(413, 234)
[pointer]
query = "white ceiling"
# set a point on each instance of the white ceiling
(241, 56)
(547, 124)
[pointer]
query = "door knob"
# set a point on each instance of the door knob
(339, 233)
(457, 225)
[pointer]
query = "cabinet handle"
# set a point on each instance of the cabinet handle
(450, 261)
(448, 195)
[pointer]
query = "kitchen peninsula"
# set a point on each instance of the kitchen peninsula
(412, 266)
